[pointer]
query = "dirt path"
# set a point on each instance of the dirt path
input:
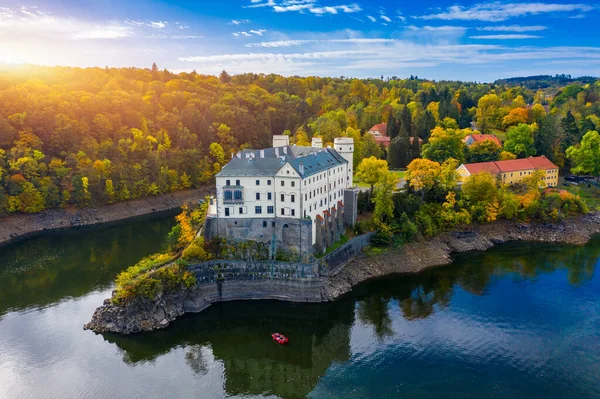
(15, 227)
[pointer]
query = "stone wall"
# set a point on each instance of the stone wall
(279, 233)
(240, 270)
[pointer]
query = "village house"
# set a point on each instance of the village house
(514, 170)
(290, 197)
(379, 134)
(478, 138)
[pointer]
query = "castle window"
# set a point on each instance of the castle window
(227, 195)
(228, 182)
(258, 210)
(293, 212)
(258, 182)
(269, 196)
(268, 182)
(293, 184)
(264, 224)
(282, 197)
(270, 210)
(237, 182)
(258, 196)
(226, 211)
(237, 194)
(241, 211)
(293, 198)
(282, 183)
(282, 211)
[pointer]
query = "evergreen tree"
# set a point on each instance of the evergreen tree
(406, 125)
(415, 146)
(391, 124)
(394, 153)
(544, 137)
(571, 131)
(425, 124)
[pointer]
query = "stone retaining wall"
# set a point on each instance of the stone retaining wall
(239, 270)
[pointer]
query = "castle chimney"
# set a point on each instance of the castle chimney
(277, 151)
(285, 150)
(301, 168)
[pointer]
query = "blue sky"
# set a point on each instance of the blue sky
(467, 40)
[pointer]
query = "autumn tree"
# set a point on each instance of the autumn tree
(444, 144)
(483, 151)
(370, 171)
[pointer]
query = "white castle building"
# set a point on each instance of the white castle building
(288, 196)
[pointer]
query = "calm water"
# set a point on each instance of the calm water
(519, 321)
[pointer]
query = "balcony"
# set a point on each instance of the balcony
(233, 194)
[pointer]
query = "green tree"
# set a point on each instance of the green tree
(586, 155)
(383, 199)
(519, 141)
(483, 151)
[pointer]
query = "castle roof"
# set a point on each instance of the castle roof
(269, 161)
(478, 138)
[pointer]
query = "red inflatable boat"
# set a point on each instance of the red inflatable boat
(279, 338)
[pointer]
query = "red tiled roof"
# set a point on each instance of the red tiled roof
(326, 213)
(380, 127)
(478, 138)
(489, 167)
(511, 165)
(340, 204)
(319, 217)
(385, 141)
(542, 163)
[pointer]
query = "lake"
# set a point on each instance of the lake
(519, 321)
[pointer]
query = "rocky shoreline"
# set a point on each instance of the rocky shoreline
(146, 315)
(18, 227)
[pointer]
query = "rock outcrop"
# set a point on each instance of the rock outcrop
(145, 315)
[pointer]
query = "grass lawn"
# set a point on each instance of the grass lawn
(399, 173)
(591, 195)
(500, 134)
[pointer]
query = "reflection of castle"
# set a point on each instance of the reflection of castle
(239, 335)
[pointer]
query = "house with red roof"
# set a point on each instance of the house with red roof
(513, 170)
(378, 130)
(478, 138)
(379, 134)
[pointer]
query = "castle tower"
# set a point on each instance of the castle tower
(281, 141)
(317, 142)
(345, 147)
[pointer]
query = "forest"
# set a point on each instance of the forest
(84, 137)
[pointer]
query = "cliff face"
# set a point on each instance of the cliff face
(146, 315)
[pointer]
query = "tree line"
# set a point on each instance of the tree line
(84, 137)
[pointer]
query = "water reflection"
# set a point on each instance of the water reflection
(237, 334)
(45, 269)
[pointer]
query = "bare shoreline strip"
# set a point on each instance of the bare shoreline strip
(17, 227)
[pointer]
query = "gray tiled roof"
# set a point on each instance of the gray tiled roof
(315, 160)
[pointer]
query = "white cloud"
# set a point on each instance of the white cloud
(386, 18)
(437, 28)
(158, 24)
(150, 24)
(253, 32)
(258, 32)
(238, 21)
(497, 11)
(301, 6)
(103, 32)
(505, 37)
(513, 28)
(373, 19)
(292, 43)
